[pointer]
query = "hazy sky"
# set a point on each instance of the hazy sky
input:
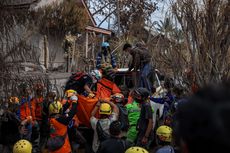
(163, 7)
(159, 14)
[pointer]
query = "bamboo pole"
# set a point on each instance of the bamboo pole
(46, 52)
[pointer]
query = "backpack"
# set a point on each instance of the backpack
(102, 135)
(55, 143)
(123, 118)
(71, 83)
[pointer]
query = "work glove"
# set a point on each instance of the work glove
(91, 95)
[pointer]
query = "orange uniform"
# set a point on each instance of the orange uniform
(25, 109)
(37, 108)
(106, 88)
(60, 129)
(75, 118)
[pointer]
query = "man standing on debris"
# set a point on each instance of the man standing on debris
(141, 59)
(102, 56)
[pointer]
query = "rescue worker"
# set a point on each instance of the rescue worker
(136, 150)
(108, 71)
(71, 97)
(141, 59)
(164, 138)
(25, 111)
(102, 56)
(37, 102)
(106, 87)
(51, 97)
(83, 83)
(107, 116)
(58, 125)
(22, 146)
(134, 112)
(145, 122)
(118, 99)
(37, 110)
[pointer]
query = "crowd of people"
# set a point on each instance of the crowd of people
(193, 124)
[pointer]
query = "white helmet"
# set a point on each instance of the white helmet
(97, 74)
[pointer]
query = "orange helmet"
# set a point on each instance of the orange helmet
(118, 97)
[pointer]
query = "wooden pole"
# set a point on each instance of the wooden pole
(73, 52)
(67, 63)
(86, 44)
(46, 52)
(93, 53)
(118, 19)
(103, 38)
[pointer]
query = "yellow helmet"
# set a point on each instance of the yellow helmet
(136, 150)
(55, 107)
(105, 109)
(70, 92)
(22, 146)
(164, 133)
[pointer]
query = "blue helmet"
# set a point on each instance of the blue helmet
(105, 44)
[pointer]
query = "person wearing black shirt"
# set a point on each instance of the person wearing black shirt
(145, 122)
(114, 144)
(141, 60)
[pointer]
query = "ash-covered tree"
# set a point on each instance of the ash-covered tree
(131, 14)
(205, 25)
(193, 42)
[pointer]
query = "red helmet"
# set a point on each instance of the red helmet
(118, 97)
(38, 86)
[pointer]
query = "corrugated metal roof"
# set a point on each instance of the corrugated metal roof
(43, 3)
(81, 3)
(17, 2)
